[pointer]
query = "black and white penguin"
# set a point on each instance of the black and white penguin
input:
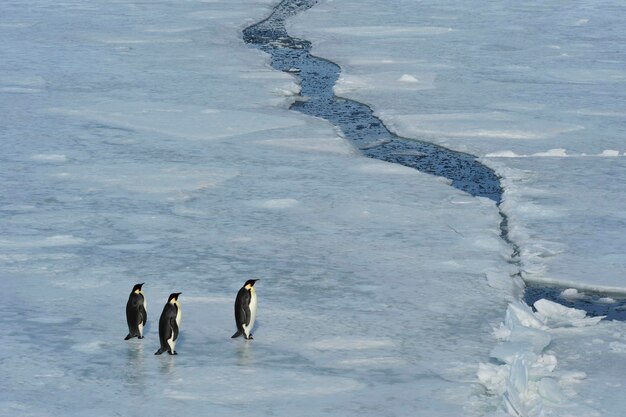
(169, 324)
(136, 313)
(245, 309)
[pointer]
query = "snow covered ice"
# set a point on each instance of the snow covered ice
(144, 141)
(537, 90)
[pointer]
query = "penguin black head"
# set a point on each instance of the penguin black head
(173, 296)
(137, 287)
(250, 283)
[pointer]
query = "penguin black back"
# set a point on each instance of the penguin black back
(169, 325)
(136, 313)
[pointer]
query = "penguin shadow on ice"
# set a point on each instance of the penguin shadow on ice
(135, 353)
(166, 366)
(134, 371)
(245, 355)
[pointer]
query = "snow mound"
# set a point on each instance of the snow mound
(50, 157)
(572, 294)
(552, 152)
(278, 203)
(407, 78)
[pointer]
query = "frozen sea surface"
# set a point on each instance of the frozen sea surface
(536, 89)
(317, 77)
(146, 142)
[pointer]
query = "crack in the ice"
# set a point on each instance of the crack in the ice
(317, 78)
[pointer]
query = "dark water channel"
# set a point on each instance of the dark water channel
(595, 304)
(317, 76)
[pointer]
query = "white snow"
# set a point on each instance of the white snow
(50, 157)
(551, 153)
(144, 142)
(572, 294)
(557, 315)
(505, 82)
(513, 84)
(408, 78)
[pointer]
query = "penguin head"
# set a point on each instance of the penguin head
(173, 298)
(250, 283)
(137, 288)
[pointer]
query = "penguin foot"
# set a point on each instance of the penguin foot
(139, 337)
(173, 353)
(249, 337)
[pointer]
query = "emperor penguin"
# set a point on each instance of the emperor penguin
(136, 312)
(169, 324)
(245, 309)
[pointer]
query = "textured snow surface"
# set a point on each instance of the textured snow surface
(144, 142)
(538, 89)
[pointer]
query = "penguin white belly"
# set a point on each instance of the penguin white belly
(140, 329)
(247, 329)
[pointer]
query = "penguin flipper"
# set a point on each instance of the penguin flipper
(237, 334)
(174, 328)
(143, 314)
(242, 308)
(245, 307)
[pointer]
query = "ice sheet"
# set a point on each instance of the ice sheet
(528, 82)
(160, 150)
(538, 91)
(146, 142)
